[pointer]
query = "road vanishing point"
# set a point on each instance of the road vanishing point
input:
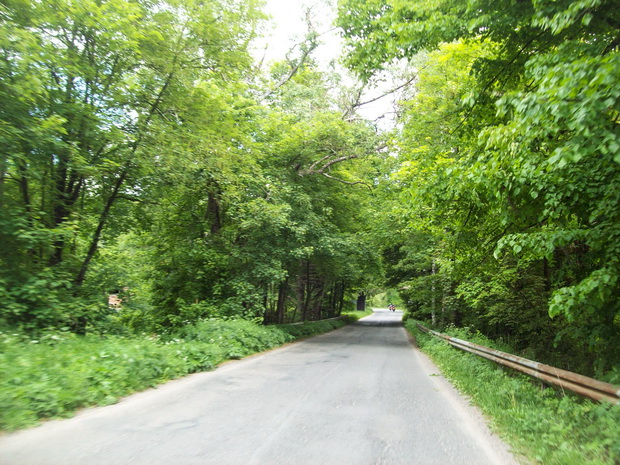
(362, 394)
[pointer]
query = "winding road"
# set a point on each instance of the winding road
(359, 395)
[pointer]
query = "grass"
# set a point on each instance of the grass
(357, 314)
(542, 425)
(55, 375)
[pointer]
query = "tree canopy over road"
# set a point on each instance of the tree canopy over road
(505, 194)
(146, 153)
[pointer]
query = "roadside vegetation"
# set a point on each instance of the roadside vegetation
(542, 424)
(162, 191)
(60, 372)
(503, 202)
(167, 203)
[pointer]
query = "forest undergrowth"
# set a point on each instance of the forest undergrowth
(60, 372)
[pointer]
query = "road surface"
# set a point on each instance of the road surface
(358, 395)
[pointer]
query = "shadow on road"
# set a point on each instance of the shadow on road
(392, 323)
(383, 318)
(377, 330)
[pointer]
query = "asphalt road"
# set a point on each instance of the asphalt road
(358, 395)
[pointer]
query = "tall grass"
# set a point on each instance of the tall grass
(542, 424)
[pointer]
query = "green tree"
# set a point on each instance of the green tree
(85, 86)
(258, 222)
(526, 164)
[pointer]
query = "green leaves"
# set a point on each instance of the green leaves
(588, 297)
(90, 92)
(508, 159)
(572, 108)
(557, 17)
(56, 374)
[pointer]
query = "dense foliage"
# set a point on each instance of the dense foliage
(505, 194)
(146, 156)
(153, 176)
(60, 372)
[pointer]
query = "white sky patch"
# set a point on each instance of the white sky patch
(287, 28)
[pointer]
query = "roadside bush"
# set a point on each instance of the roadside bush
(60, 372)
(544, 425)
(40, 379)
(311, 328)
(237, 338)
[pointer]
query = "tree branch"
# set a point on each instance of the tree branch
(360, 91)
(294, 67)
(349, 183)
(313, 170)
(307, 47)
(395, 89)
(313, 166)
(333, 162)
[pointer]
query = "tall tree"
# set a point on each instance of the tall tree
(533, 164)
(84, 86)
(285, 181)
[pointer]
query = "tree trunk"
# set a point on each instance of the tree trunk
(343, 287)
(316, 311)
(213, 213)
(300, 289)
(305, 292)
(281, 305)
(361, 302)
(94, 243)
(433, 314)
(333, 300)
(4, 163)
(267, 315)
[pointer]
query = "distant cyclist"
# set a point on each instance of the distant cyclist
(392, 307)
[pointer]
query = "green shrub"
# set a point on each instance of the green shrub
(60, 372)
(42, 380)
(237, 338)
(540, 423)
(311, 328)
